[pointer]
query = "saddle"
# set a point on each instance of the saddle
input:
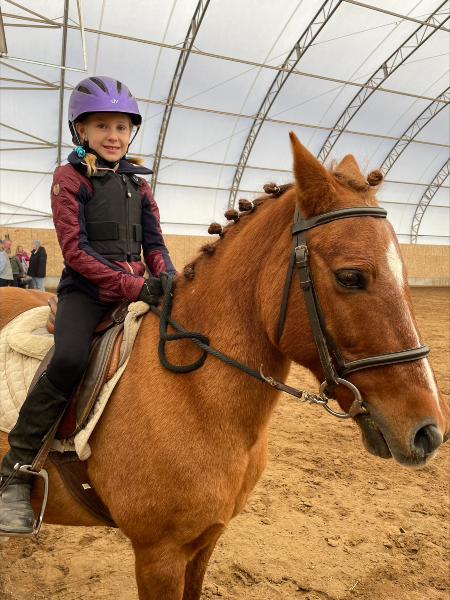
(102, 364)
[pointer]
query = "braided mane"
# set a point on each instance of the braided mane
(272, 191)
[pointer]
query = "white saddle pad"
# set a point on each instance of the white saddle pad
(24, 342)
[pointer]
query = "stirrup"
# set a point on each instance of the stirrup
(37, 524)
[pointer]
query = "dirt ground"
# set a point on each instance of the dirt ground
(327, 521)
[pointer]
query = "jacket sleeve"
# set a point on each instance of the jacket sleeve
(42, 268)
(19, 265)
(68, 201)
(155, 251)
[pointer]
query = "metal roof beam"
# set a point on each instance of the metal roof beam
(188, 43)
(294, 123)
(305, 41)
(35, 210)
(3, 45)
(393, 14)
(52, 22)
(427, 197)
(398, 58)
(22, 18)
(419, 123)
(17, 223)
(27, 134)
(247, 62)
(51, 85)
(41, 17)
(62, 78)
(234, 165)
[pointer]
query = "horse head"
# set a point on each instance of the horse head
(361, 284)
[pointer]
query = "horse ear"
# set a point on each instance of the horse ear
(348, 169)
(315, 188)
(349, 165)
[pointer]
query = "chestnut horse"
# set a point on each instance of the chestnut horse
(175, 457)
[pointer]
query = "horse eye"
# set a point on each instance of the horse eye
(351, 279)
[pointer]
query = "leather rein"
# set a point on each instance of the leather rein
(334, 374)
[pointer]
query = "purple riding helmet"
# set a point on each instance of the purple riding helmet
(101, 94)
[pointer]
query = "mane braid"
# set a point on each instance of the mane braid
(235, 218)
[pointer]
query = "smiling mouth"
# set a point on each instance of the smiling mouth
(111, 148)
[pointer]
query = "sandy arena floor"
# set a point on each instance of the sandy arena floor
(327, 521)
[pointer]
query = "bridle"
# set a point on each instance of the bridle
(334, 371)
(334, 374)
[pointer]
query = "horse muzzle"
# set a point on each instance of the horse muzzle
(421, 445)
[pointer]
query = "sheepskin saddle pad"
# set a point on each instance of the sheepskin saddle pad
(24, 344)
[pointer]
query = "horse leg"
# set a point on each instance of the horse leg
(160, 572)
(195, 572)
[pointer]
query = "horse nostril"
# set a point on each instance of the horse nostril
(426, 440)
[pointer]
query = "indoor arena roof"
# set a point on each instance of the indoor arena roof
(220, 83)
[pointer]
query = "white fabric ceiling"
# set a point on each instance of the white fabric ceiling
(351, 47)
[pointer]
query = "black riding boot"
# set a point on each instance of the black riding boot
(41, 409)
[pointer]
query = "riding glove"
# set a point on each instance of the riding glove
(151, 291)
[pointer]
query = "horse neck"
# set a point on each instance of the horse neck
(224, 302)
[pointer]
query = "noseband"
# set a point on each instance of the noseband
(334, 371)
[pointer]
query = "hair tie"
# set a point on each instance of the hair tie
(80, 151)
(127, 155)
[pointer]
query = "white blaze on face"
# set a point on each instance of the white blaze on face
(396, 267)
(395, 264)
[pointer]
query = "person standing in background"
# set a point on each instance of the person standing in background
(38, 265)
(6, 276)
(16, 267)
(23, 257)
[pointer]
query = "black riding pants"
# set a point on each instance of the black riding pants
(76, 319)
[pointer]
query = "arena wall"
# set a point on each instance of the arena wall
(427, 265)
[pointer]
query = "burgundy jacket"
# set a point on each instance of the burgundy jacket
(83, 267)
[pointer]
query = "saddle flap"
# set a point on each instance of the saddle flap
(103, 363)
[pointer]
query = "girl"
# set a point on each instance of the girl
(104, 215)
(23, 257)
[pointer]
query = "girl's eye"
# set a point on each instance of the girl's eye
(351, 279)
(101, 125)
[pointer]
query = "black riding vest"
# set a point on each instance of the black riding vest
(113, 216)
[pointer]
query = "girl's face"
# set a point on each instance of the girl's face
(19, 250)
(107, 133)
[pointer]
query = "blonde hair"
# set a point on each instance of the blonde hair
(90, 160)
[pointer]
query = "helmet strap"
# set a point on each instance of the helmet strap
(132, 139)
